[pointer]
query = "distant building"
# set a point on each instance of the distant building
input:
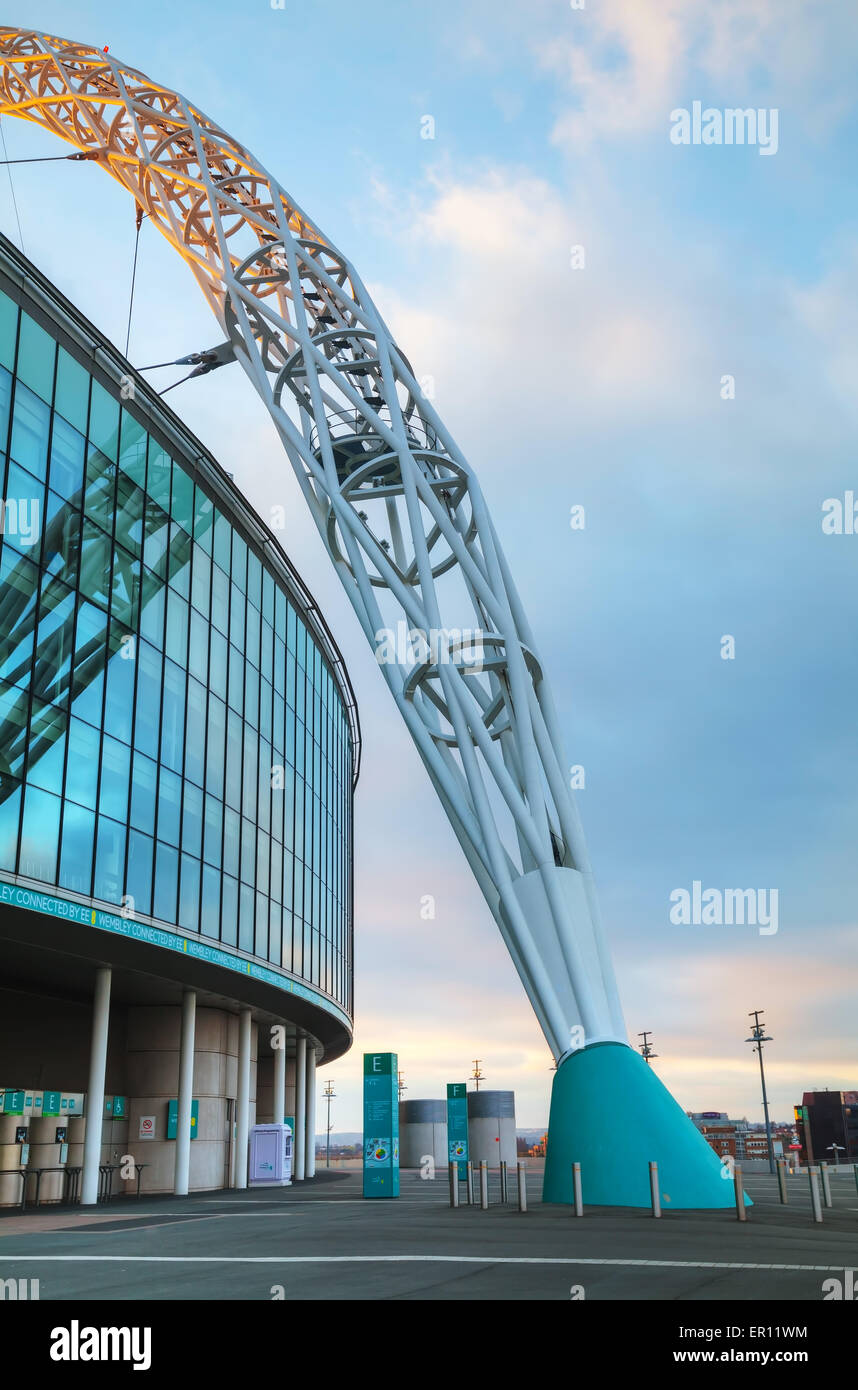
(825, 1119)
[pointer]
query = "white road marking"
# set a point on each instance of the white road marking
(403, 1259)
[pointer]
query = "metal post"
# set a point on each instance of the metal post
(739, 1189)
(653, 1188)
(279, 1099)
(484, 1184)
(95, 1087)
(470, 1181)
(814, 1194)
(826, 1184)
(522, 1187)
(310, 1150)
(454, 1184)
(782, 1182)
(504, 1188)
(855, 1172)
(577, 1194)
(298, 1138)
(184, 1102)
(242, 1100)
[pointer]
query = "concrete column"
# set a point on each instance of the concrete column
(186, 1091)
(310, 1151)
(242, 1099)
(299, 1140)
(278, 1103)
(95, 1087)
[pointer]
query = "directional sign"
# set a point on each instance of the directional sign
(457, 1125)
(380, 1125)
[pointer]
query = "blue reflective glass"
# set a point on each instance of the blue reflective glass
(236, 617)
(169, 807)
(130, 511)
(119, 695)
(13, 733)
(222, 535)
(182, 501)
(215, 746)
(10, 814)
(177, 628)
(254, 580)
(76, 856)
(251, 696)
(210, 907)
(153, 601)
(220, 600)
(203, 519)
(115, 766)
(23, 511)
(236, 679)
(252, 635)
(109, 873)
(99, 489)
(246, 917)
(40, 831)
(104, 421)
(96, 562)
(179, 561)
(8, 330)
(189, 895)
(31, 420)
(149, 663)
(195, 737)
(233, 762)
(82, 766)
(138, 881)
(173, 717)
(261, 927)
(144, 781)
(132, 450)
(198, 652)
(71, 398)
(67, 459)
(36, 353)
(156, 537)
(48, 725)
(248, 850)
(166, 882)
(201, 582)
(250, 772)
(192, 821)
(213, 831)
(217, 663)
(239, 562)
(229, 912)
(231, 841)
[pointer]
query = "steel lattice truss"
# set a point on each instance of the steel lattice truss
(398, 507)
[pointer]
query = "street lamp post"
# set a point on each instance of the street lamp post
(329, 1094)
(759, 1036)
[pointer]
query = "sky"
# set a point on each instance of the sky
(662, 334)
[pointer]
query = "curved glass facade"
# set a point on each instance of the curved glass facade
(172, 739)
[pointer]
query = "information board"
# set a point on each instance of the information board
(457, 1125)
(380, 1124)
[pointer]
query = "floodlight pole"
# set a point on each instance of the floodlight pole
(759, 1036)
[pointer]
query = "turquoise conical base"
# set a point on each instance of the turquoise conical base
(611, 1114)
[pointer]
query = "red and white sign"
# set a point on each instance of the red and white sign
(147, 1127)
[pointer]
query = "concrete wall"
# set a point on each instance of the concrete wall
(491, 1127)
(422, 1131)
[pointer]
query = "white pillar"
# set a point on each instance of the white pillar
(278, 1101)
(242, 1099)
(186, 1092)
(95, 1087)
(299, 1140)
(310, 1150)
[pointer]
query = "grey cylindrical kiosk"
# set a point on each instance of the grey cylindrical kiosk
(422, 1131)
(491, 1127)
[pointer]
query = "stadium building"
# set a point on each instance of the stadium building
(179, 745)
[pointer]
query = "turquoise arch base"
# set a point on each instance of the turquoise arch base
(611, 1114)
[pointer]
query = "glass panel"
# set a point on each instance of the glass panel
(104, 422)
(130, 509)
(239, 562)
(210, 914)
(251, 645)
(215, 746)
(166, 882)
(8, 330)
(100, 489)
(68, 449)
(189, 898)
(229, 912)
(36, 353)
(177, 628)
(213, 830)
(156, 538)
(248, 851)
(119, 697)
(192, 821)
(95, 564)
(72, 393)
(222, 532)
(30, 425)
(143, 793)
(198, 655)
(76, 857)
(47, 741)
(254, 580)
(246, 917)
(231, 838)
(179, 562)
(195, 737)
(138, 883)
(201, 583)
(152, 606)
(22, 511)
(203, 519)
(132, 450)
(109, 860)
(169, 807)
(13, 734)
(182, 503)
(40, 831)
(55, 641)
(148, 706)
(10, 814)
(82, 768)
(236, 617)
(220, 599)
(126, 588)
(217, 667)
(173, 717)
(113, 794)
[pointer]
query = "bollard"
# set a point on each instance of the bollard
(576, 1190)
(504, 1191)
(826, 1184)
(782, 1185)
(522, 1188)
(739, 1188)
(470, 1183)
(484, 1184)
(855, 1171)
(653, 1188)
(814, 1194)
(454, 1184)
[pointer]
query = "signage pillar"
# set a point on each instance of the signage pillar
(457, 1125)
(380, 1124)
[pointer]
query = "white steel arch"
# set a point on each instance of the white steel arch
(397, 506)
